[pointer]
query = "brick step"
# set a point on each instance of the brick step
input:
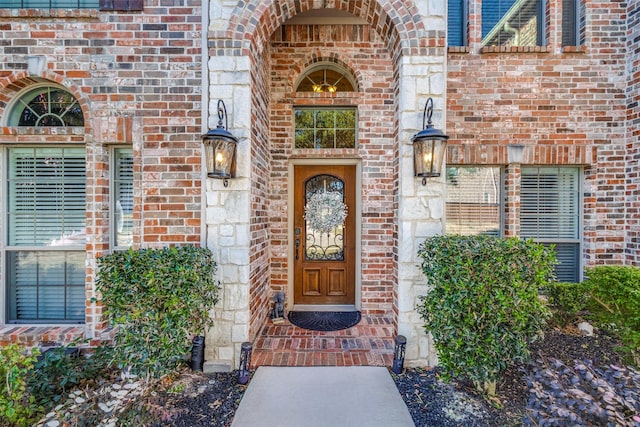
(370, 343)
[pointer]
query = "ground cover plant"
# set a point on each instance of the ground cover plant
(483, 309)
(17, 406)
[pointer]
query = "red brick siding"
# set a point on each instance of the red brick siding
(137, 76)
(260, 253)
(569, 108)
(633, 134)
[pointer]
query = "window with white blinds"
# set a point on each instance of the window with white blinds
(46, 197)
(46, 286)
(474, 200)
(550, 214)
(122, 207)
(45, 253)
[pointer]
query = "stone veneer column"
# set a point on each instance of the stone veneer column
(420, 208)
(227, 216)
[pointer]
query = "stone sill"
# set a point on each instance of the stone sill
(32, 130)
(458, 49)
(514, 49)
(574, 49)
(47, 335)
(30, 335)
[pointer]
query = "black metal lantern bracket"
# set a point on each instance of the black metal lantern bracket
(428, 146)
(220, 148)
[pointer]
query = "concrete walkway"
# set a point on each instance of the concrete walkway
(322, 396)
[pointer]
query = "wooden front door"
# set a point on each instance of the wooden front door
(324, 252)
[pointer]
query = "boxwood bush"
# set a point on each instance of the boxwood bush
(483, 309)
(614, 302)
(157, 300)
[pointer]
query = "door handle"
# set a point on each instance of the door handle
(297, 247)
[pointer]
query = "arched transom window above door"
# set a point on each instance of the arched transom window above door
(326, 77)
(46, 106)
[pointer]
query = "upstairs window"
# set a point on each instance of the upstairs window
(572, 20)
(513, 23)
(49, 4)
(121, 5)
(46, 106)
(457, 13)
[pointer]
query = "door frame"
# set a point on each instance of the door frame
(290, 303)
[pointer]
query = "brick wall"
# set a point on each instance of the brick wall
(633, 133)
(137, 76)
(567, 105)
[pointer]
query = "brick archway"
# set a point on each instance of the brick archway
(398, 23)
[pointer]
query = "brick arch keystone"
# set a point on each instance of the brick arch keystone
(397, 22)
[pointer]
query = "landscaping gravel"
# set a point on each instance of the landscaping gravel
(211, 400)
(192, 399)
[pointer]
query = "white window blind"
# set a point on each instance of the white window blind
(46, 195)
(550, 214)
(45, 256)
(473, 201)
(46, 286)
(123, 197)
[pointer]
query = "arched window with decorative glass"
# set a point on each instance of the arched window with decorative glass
(44, 213)
(46, 106)
(326, 127)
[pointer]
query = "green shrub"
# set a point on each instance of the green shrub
(157, 299)
(615, 301)
(566, 300)
(484, 307)
(54, 375)
(17, 407)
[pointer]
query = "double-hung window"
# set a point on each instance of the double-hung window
(549, 210)
(474, 200)
(513, 23)
(550, 214)
(45, 247)
(43, 213)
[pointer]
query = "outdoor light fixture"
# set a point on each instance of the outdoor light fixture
(220, 149)
(245, 361)
(428, 147)
(398, 354)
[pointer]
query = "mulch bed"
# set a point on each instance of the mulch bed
(196, 399)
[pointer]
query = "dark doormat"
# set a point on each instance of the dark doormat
(324, 320)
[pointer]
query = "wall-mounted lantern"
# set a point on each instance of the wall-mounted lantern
(428, 147)
(220, 149)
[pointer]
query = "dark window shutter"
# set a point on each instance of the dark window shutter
(569, 19)
(457, 22)
(121, 5)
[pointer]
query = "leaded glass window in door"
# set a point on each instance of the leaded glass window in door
(325, 215)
